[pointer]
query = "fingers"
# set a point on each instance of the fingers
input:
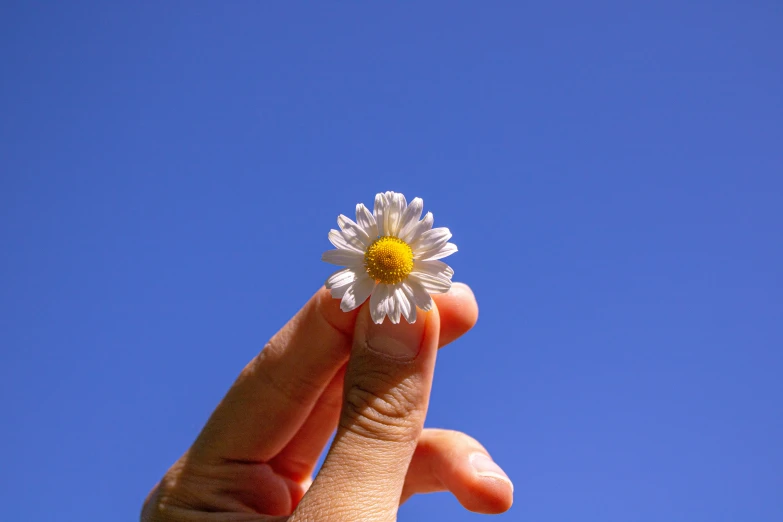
(458, 313)
(298, 459)
(276, 392)
(452, 461)
(387, 389)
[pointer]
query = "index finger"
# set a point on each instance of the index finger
(273, 394)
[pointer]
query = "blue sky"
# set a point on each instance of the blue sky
(612, 174)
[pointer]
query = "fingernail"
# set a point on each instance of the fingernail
(461, 288)
(486, 467)
(397, 341)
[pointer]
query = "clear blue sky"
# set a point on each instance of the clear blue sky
(612, 174)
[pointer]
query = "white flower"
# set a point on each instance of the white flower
(391, 257)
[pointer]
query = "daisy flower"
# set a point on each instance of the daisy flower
(391, 256)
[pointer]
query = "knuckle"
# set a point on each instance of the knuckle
(164, 503)
(378, 408)
(190, 490)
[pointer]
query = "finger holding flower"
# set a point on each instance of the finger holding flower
(341, 367)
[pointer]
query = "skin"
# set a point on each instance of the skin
(327, 371)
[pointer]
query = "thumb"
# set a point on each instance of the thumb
(387, 390)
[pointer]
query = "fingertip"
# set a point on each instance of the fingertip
(399, 341)
(460, 287)
(329, 308)
(492, 491)
(466, 304)
(459, 312)
(461, 465)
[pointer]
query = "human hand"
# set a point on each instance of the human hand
(254, 459)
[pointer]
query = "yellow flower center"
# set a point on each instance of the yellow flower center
(389, 260)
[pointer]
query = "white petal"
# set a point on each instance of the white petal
(342, 277)
(388, 303)
(432, 284)
(434, 268)
(431, 240)
(378, 303)
(355, 240)
(366, 220)
(410, 217)
(351, 230)
(394, 303)
(338, 240)
(419, 228)
(445, 250)
(343, 257)
(391, 306)
(396, 208)
(339, 292)
(420, 295)
(357, 293)
(407, 302)
(380, 212)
